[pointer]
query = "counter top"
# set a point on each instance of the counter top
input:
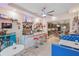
(12, 50)
(6, 35)
(69, 43)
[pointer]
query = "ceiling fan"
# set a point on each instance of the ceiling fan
(47, 13)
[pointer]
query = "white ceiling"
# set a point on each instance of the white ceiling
(59, 8)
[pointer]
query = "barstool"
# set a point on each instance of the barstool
(36, 42)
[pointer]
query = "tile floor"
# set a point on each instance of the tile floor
(43, 50)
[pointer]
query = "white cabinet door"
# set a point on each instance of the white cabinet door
(27, 41)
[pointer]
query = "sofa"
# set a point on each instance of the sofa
(66, 46)
(70, 37)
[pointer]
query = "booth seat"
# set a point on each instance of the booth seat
(71, 37)
(61, 50)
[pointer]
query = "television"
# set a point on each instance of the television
(6, 25)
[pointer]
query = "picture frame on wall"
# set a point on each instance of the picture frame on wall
(27, 28)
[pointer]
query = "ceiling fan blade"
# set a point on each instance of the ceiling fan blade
(50, 14)
(51, 11)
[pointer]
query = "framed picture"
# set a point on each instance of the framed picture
(27, 28)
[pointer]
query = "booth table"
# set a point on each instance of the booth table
(12, 50)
